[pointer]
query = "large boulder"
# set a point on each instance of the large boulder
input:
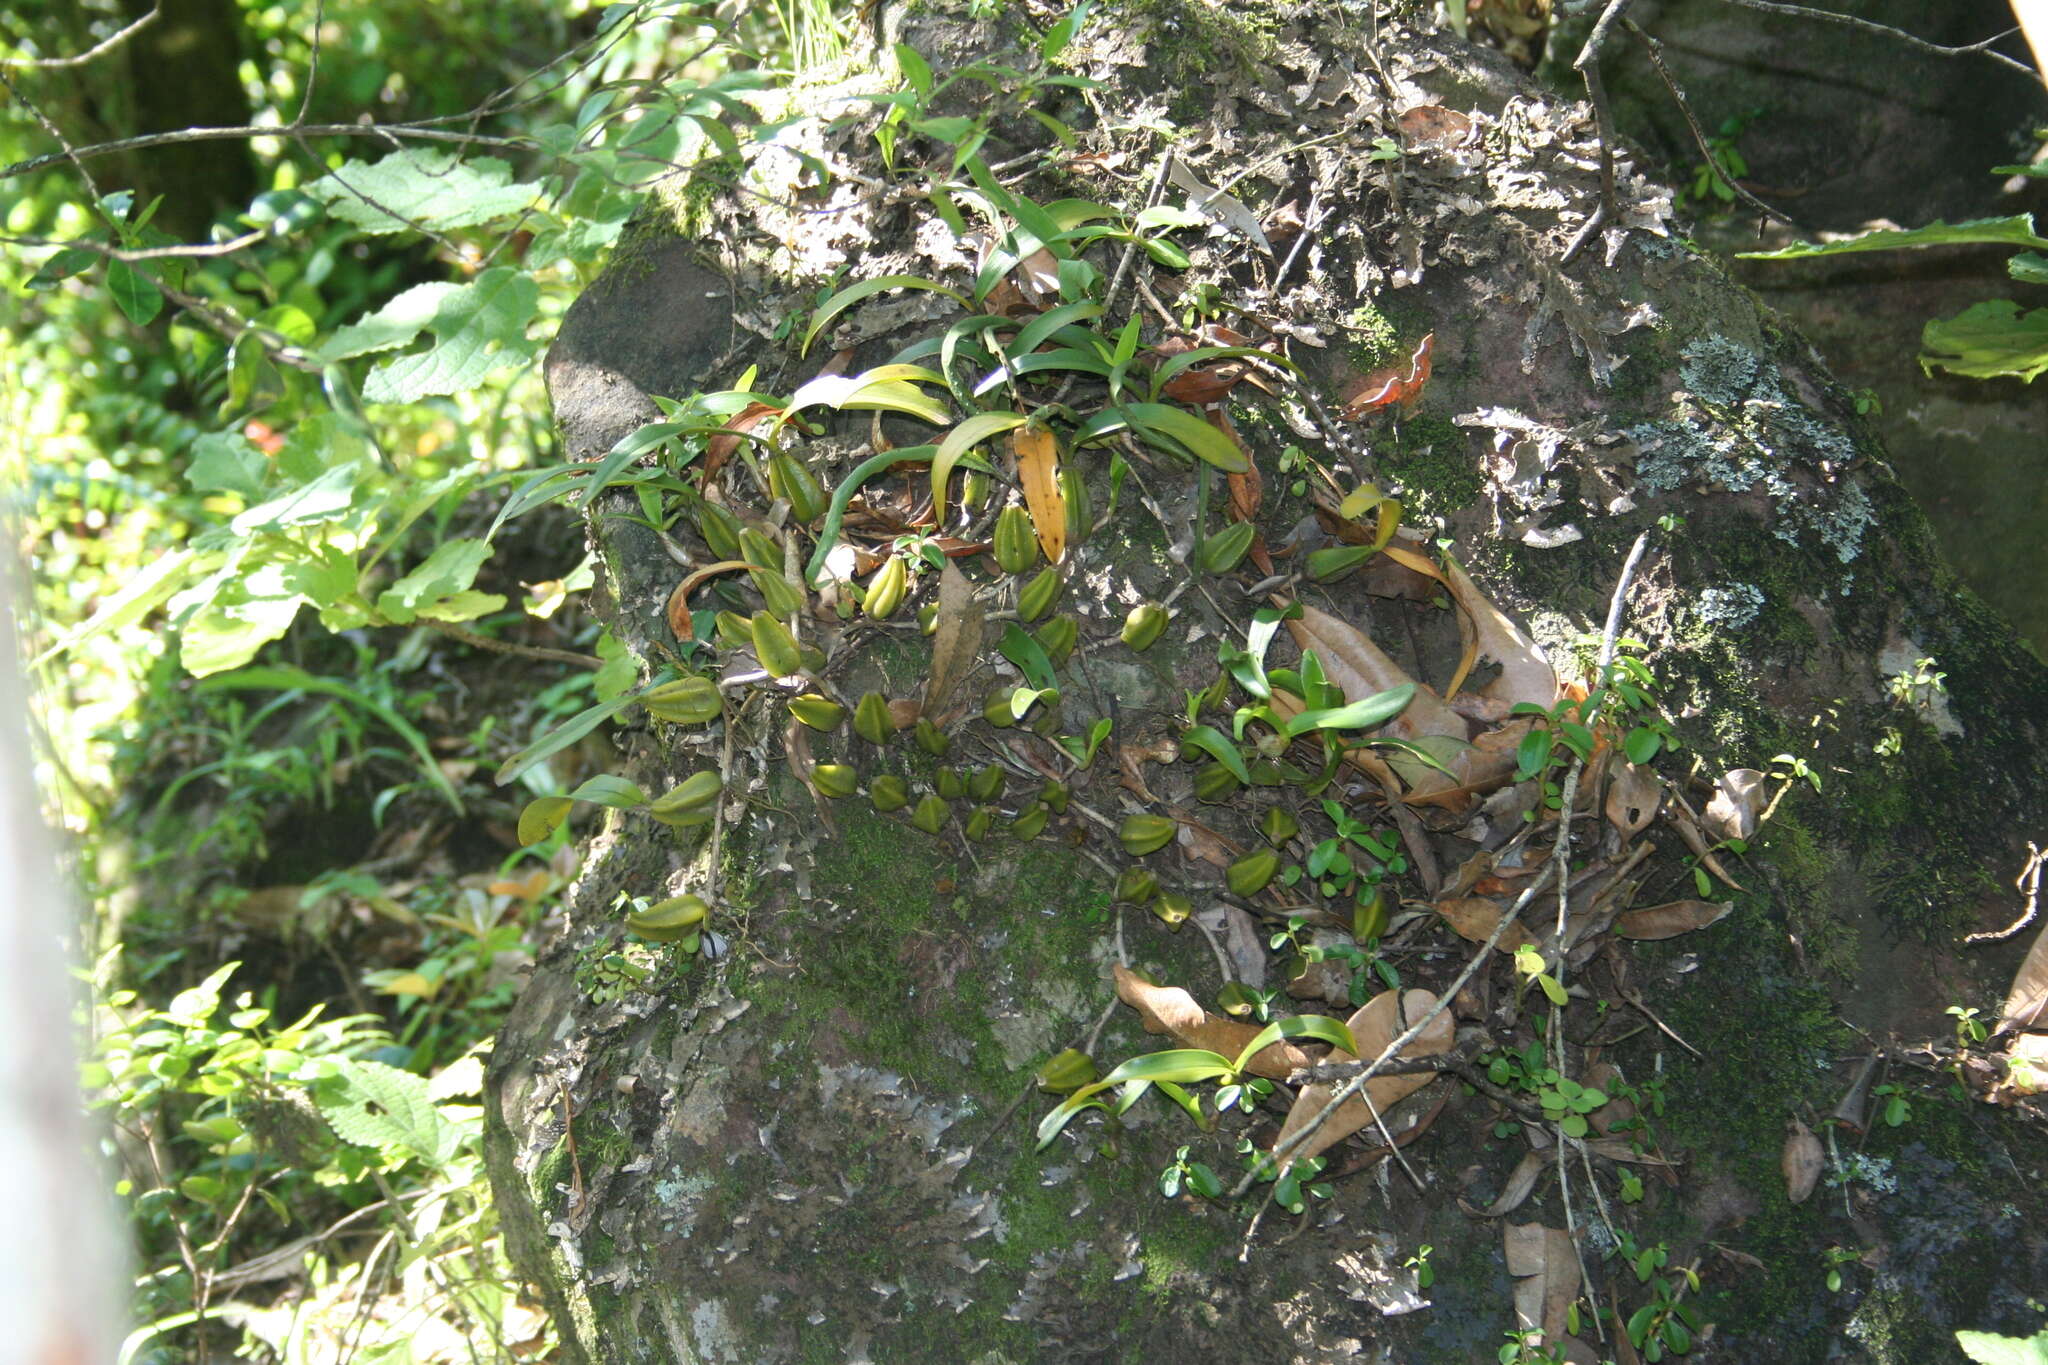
(815, 1139)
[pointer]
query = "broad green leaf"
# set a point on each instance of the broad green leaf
(561, 737)
(226, 461)
(1062, 32)
(1989, 340)
(1018, 646)
(450, 569)
(151, 586)
(134, 293)
(478, 329)
(1320, 1027)
(1988, 1348)
(226, 631)
(854, 293)
(1364, 714)
(542, 816)
(395, 324)
(2017, 230)
(384, 1107)
(886, 388)
(1217, 745)
(2028, 267)
(418, 188)
(957, 443)
(1191, 433)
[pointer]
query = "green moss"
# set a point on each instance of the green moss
(1374, 338)
(1433, 464)
(1197, 44)
(1808, 875)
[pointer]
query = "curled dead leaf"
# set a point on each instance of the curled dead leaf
(1172, 1011)
(1801, 1160)
(1525, 672)
(1433, 128)
(1738, 800)
(1671, 919)
(1633, 798)
(1382, 1019)
(1399, 383)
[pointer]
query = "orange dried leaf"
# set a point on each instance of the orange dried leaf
(1384, 387)
(1431, 127)
(1525, 674)
(1037, 452)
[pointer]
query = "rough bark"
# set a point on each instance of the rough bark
(820, 1147)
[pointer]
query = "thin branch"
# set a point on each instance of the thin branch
(1886, 30)
(1655, 50)
(559, 656)
(2028, 884)
(97, 50)
(190, 251)
(1287, 1148)
(387, 131)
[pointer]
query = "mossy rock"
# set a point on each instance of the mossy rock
(817, 1143)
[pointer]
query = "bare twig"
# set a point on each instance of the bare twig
(1655, 50)
(470, 637)
(1886, 30)
(97, 50)
(387, 131)
(1287, 1148)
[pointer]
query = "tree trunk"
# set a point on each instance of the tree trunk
(820, 1144)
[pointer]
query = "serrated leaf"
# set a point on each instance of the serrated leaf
(418, 188)
(226, 461)
(388, 1108)
(395, 324)
(449, 570)
(479, 328)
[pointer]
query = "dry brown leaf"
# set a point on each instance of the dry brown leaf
(1546, 1272)
(1521, 1184)
(1037, 452)
(1854, 1110)
(1671, 919)
(956, 641)
(1433, 128)
(1802, 1161)
(1360, 669)
(1172, 1011)
(2026, 1004)
(1384, 1017)
(1738, 801)
(1473, 919)
(1525, 673)
(1633, 798)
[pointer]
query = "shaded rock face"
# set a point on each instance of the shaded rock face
(816, 1143)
